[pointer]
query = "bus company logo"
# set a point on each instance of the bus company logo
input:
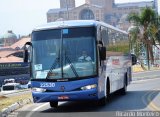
(62, 88)
(115, 62)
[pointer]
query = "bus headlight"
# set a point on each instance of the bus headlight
(89, 87)
(38, 89)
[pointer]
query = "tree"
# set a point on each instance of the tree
(147, 24)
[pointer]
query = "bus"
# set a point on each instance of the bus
(58, 75)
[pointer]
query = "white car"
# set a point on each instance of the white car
(26, 86)
(10, 87)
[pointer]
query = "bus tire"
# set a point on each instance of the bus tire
(54, 104)
(124, 89)
(108, 89)
(104, 100)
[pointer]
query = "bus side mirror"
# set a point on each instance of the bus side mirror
(25, 58)
(102, 53)
(26, 53)
(134, 59)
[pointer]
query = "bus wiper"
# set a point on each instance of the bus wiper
(57, 61)
(53, 67)
(71, 65)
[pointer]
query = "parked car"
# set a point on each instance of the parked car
(29, 84)
(11, 86)
(26, 86)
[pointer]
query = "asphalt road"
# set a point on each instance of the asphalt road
(142, 96)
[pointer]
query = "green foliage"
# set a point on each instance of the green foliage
(133, 17)
(119, 48)
(148, 22)
(147, 16)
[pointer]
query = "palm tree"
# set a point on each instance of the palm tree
(148, 28)
(135, 43)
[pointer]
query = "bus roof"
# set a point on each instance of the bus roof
(74, 23)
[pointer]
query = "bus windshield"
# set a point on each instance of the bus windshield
(64, 53)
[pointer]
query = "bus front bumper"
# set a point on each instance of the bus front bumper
(65, 96)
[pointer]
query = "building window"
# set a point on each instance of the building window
(75, 17)
(87, 14)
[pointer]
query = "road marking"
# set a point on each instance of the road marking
(144, 97)
(31, 113)
(36, 109)
(152, 106)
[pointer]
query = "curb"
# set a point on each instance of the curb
(145, 78)
(6, 111)
(20, 91)
(145, 71)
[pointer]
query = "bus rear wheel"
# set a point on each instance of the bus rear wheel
(54, 104)
(124, 89)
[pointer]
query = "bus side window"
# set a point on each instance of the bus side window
(104, 36)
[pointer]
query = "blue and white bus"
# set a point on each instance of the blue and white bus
(57, 74)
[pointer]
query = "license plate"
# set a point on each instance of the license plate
(63, 97)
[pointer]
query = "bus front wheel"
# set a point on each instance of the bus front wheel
(54, 104)
(104, 100)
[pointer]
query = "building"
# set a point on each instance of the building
(13, 53)
(84, 11)
(11, 62)
(102, 10)
(96, 2)
(8, 39)
(67, 4)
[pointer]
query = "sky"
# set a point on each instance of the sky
(21, 16)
